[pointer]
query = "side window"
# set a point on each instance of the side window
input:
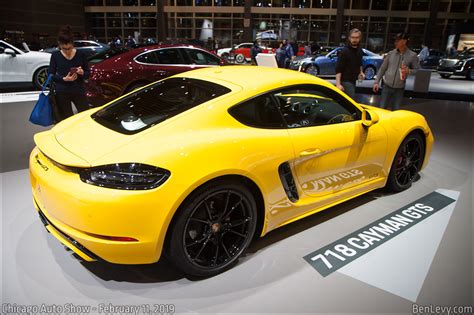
(79, 44)
(199, 57)
(308, 106)
(169, 56)
(259, 112)
(149, 58)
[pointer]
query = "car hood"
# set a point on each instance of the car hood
(320, 58)
(460, 57)
(301, 58)
(222, 50)
(49, 49)
(39, 55)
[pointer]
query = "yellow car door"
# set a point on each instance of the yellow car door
(333, 151)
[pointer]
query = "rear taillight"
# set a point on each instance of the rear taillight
(127, 176)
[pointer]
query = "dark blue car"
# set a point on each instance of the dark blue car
(325, 65)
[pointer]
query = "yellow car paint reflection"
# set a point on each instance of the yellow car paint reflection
(124, 190)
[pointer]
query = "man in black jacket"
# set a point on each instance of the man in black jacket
(349, 64)
(254, 51)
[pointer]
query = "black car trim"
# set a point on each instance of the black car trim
(288, 182)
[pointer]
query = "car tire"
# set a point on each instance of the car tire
(369, 72)
(39, 77)
(225, 56)
(240, 58)
(445, 76)
(212, 228)
(312, 69)
(406, 163)
(470, 74)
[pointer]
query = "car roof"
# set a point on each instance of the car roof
(253, 78)
(138, 50)
(132, 53)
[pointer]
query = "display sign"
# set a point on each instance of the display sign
(345, 250)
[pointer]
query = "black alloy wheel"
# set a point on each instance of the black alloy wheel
(40, 77)
(213, 229)
(407, 163)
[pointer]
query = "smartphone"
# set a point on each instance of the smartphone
(72, 71)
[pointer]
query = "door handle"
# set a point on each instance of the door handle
(311, 151)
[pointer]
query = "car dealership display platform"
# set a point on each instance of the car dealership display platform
(429, 264)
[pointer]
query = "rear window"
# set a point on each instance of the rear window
(106, 55)
(156, 103)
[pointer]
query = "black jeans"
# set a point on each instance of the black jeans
(63, 103)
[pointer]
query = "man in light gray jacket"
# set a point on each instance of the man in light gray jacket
(396, 67)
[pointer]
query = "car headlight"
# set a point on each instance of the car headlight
(460, 63)
(127, 176)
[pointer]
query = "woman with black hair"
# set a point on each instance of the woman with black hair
(69, 68)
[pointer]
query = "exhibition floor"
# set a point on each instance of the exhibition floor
(429, 264)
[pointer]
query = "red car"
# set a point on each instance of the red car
(117, 74)
(242, 54)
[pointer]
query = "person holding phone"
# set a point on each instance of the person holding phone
(69, 68)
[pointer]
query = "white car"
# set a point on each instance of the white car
(17, 66)
(225, 52)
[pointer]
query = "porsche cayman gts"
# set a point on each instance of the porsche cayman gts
(194, 166)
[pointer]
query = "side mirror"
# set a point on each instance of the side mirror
(369, 118)
(10, 52)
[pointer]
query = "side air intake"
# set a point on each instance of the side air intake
(288, 181)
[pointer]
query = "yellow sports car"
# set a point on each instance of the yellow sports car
(194, 166)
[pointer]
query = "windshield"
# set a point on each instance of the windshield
(156, 103)
(467, 53)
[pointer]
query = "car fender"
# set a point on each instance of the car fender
(174, 209)
(33, 65)
(402, 123)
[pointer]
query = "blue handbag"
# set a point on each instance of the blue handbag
(42, 113)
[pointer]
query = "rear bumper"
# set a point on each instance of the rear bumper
(65, 239)
(91, 220)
